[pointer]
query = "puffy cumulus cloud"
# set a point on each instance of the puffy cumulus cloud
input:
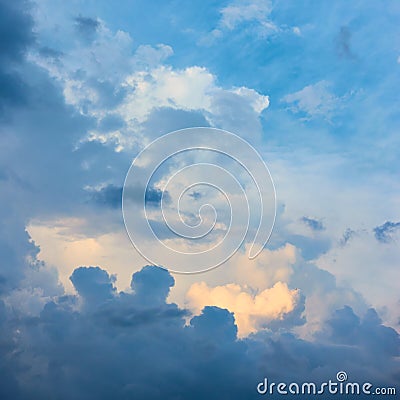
(134, 344)
(151, 285)
(93, 284)
(318, 291)
(252, 311)
(69, 243)
(126, 88)
(192, 90)
(188, 89)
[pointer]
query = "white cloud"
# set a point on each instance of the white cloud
(314, 100)
(188, 89)
(192, 89)
(258, 102)
(245, 10)
(296, 30)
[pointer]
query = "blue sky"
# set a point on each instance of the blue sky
(84, 86)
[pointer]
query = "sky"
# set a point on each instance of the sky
(85, 86)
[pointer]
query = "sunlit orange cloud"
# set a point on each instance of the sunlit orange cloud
(251, 311)
(62, 247)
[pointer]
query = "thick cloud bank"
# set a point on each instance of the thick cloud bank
(101, 344)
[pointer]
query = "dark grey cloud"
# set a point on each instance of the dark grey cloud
(384, 233)
(152, 285)
(111, 196)
(43, 169)
(93, 284)
(16, 36)
(135, 345)
(153, 195)
(346, 328)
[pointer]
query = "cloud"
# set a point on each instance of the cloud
(241, 19)
(251, 311)
(242, 11)
(347, 235)
(314, 224)
(109, 195)
(16, 36)
(313, 101)
(93, 284)
(363, 252)
(143, 95)
(190, 89)
(156, 279)
(112, 347)
(48, 52)
(163, 120)
(56, 345)
(86, 26)
(215, 323)
(385, 233)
